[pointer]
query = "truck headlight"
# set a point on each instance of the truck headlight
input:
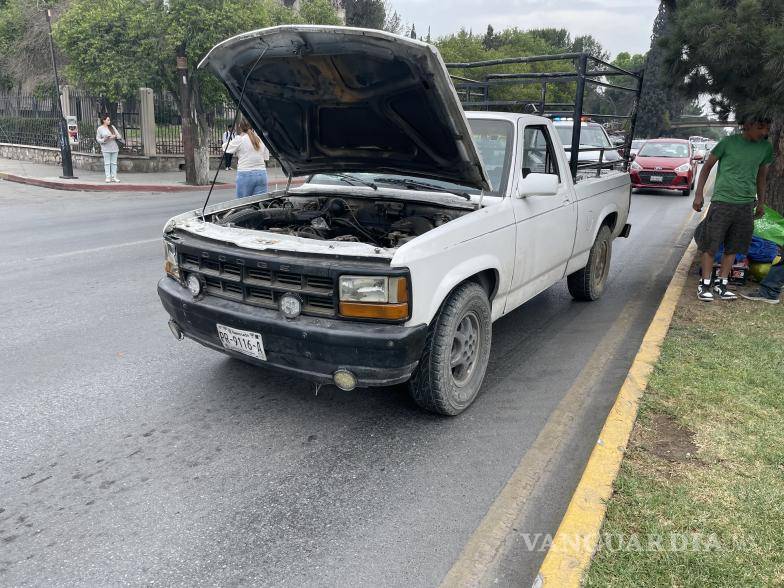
(170, 265)
(683, 168)
(635, 166)
(377, 297)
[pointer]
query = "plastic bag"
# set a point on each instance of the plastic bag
(770, 226)
(762, 250)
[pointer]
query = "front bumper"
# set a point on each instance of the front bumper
(311, 347)
(681, 181)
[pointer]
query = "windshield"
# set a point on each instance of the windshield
(493, 139)
(637, 143)
(679, 150)
(590, 136)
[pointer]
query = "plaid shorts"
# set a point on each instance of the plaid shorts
(728, 224)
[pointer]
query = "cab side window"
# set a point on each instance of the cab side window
(538, 152)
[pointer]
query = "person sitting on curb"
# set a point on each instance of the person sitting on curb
(742, 178)
(770, 288)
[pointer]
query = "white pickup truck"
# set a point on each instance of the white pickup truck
(420, 224)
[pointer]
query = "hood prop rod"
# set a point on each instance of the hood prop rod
(233, 126)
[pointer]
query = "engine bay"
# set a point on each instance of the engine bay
(381, 222)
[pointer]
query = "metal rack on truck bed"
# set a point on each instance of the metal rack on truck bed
(585, 69)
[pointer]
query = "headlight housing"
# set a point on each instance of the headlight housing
(683, 168)
(170, 265)
(374, 297)
(635, 166)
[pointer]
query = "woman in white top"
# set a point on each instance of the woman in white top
(106, 135)
(252, 155)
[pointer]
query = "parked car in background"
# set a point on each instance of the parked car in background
(592, 135)
(636, 144)
(710, 145)
(665, 164)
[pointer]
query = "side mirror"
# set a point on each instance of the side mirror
(633, 156)
(538, 185)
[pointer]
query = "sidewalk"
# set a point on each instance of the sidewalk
(48, 176)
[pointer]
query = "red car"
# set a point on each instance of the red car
(665, 164)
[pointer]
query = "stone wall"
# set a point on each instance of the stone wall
(94, 161)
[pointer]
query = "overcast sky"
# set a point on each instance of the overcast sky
(619, 25)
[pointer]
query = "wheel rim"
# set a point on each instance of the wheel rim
(465, 349)
(600, 264)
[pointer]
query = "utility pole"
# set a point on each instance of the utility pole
(65, 145)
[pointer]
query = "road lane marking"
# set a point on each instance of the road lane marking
(484, 546)
(486, 543)
(572, 548)
(81, 252)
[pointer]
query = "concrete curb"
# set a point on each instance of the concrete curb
(76, 186)
(570, 554)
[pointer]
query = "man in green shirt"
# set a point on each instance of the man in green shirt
(738, 198)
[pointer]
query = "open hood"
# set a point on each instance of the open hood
(332, 99)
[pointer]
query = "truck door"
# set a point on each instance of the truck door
(545, 225)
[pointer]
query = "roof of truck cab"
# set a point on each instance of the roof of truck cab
(510, 116)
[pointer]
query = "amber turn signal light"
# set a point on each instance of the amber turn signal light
(390, 312)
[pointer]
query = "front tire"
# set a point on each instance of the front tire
(588, 283)
(453, 364)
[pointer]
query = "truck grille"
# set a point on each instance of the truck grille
(667, 177)
(260, 282)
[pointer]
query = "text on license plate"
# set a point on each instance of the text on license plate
(657, 178)
(246, 342)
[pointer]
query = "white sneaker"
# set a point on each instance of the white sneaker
(108, 180)
(115, 180)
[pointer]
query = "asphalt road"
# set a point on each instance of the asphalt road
(129, 458)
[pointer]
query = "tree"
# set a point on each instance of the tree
(413, 32)
(660, 101)
(367, 14)
(25, 62)
(734, 51)
(116, 47)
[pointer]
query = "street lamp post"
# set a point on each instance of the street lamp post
(65, 145)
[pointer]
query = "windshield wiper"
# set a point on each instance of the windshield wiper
(418, 185)
(352, 180)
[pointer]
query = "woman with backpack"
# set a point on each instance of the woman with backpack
(108, 137)
(252, 155)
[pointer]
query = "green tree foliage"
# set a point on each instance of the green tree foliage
(734, 50)
(513, 42)
(318, 12)
(368, 14)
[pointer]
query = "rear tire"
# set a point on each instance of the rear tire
(588, 283)
(453, 363)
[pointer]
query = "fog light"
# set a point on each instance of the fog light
(176, 331)
(194, 285)
(290, 305)
(344, 380)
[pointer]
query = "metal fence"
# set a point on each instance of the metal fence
(28, 120)
(168, 125)
(31, 120)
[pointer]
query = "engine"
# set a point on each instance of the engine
(383, 223)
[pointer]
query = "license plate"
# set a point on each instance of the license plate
(246, 342)
(657, 178)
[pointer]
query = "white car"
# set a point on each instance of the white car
(593, 137)
(636, 145)
(420, 226)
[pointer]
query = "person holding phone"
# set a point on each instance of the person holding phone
(108, 137)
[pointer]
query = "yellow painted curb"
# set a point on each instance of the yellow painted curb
(578, 534)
